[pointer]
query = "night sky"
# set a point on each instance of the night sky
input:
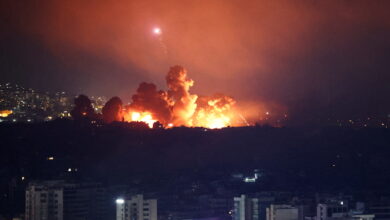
(316, 58)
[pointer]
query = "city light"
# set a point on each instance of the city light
(120, 201)
(5, 113)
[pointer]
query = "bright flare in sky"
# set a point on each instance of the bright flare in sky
(157, 31)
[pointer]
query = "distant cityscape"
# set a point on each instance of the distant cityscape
(19, 104)
(217, 200)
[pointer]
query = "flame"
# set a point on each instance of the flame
(212, 120)
(5, 113)
(140, 117)
(214, 112)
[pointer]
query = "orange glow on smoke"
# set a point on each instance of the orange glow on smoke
(212, 120)
(177, 106)
(217, 113)
(140, 117)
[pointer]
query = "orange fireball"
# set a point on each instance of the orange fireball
(140, 117)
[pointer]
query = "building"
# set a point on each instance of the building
(246, 208)
(283, 212)
(252, 208)
(327, 211)
(136, 208)
(44, 201)
(340, 211)
(58, 200)
(381, 211)
(363, 217)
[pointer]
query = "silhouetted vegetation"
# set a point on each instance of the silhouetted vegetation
(289, 157)
(112, 110)
(83, 108)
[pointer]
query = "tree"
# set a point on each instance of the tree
(83, 108)
(112, 110)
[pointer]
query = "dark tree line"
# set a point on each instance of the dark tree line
(112, 110)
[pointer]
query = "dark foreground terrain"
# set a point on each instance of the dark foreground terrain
(294, 159)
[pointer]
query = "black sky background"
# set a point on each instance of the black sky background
(336, 65)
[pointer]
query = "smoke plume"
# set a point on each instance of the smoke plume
(148, 99)
(184, 103)
(177, 106)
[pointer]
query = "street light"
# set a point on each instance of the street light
(120, 201)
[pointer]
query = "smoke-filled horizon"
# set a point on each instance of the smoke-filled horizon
(316, 58)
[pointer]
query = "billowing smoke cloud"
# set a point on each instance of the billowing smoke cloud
(184, 103)
(216, 110)
(148, 99)
(178, 107)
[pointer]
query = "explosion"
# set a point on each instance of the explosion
(140, 117)
(215, 111)
(177, 106)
